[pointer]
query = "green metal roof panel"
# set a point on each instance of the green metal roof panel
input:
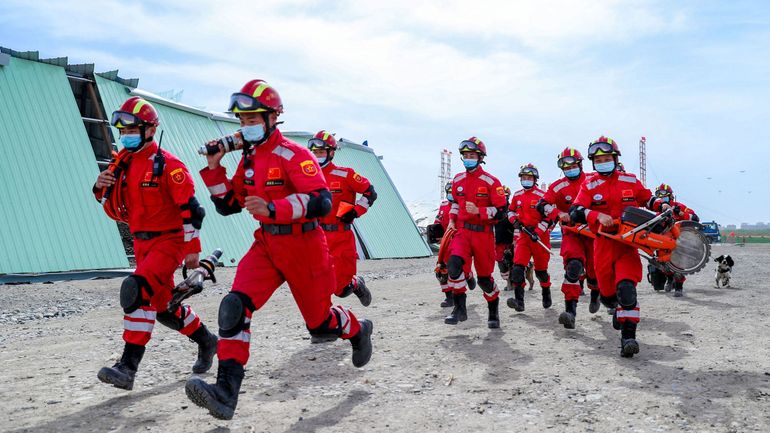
(184, 133)
(387, 229)
(49, 220)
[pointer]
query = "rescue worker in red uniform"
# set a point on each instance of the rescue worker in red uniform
(281, 185)
(534, 227)
(479, 205)
(504, 244)
(602, 198)
(435, 233)
(160, 208)
(667, 280)
(577, 251)
(344, 183)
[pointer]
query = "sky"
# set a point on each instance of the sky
(413, 78)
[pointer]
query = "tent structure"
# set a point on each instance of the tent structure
(55, 139)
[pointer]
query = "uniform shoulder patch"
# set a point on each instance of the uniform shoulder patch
(308, 167)
(500, 190)
(178, 175)
(357, 177)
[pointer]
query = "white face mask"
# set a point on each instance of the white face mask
(253, 133)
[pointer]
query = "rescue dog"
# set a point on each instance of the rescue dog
(724, 268)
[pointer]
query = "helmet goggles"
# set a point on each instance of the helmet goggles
(243, 103)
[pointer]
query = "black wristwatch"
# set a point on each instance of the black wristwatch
(271, 209)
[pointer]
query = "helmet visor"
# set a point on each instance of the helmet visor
(600, 148)
(662, 193)
(566, 161)
(317, 144)
(241, 103)
(469, 146)
(529, 170)
(122, 119)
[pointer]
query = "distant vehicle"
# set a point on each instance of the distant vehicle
(711, 230)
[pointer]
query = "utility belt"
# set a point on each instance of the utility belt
(288, 229)
(146, 236)
(342, 227)
(477, 227)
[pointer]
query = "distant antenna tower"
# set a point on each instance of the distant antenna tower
(643, 160)
(446, 171)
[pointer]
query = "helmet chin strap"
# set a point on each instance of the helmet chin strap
(143, 137)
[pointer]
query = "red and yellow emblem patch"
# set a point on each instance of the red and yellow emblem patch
(274, 173)
(178, 175)
(357, 177)
(500, 190)
(309, 168)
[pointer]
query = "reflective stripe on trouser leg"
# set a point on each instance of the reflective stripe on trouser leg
(627, 315)
(137, 326)
(345, 320)
(457, 285)
(492, 295)
(191, 320)
(571, 291)
(237, 346)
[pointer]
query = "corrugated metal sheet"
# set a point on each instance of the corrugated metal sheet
(49, 220)
(184, 133)
(387, 229)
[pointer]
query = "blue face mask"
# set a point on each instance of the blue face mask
(322, 161)
(470, 163)
(666, 199)
(253, 133)
(572, 172)
(449, 197)
(131, 141)
(527, 183)
(605, 167)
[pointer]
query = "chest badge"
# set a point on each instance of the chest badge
(568, 198)
(274, 173)
(598, 197)
(249, 173)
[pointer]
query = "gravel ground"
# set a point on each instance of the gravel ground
(704, 364)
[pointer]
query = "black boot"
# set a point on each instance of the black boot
(121, 375)
(493, 321)
(221, 398)
(593, 306)
(628, 344)
(362, 343)
(459, 313)
(471, 282)
(517, 302)
(678, 288)
(449, 301)
(547, 297)
(567, 318)
(207, 348)
(363, 293)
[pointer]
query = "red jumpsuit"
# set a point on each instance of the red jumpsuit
(475, 240)
(344, 183)
(154, 207)
(613, 261)
(560, 195)
(523, 208)
(284, 174)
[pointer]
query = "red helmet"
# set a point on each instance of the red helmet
(664, 190)
(135, 112)
(569, 156)
(256, 96)
(529, 169)
(603, 146)
(322, 140)
(448, 187)
(473, 144)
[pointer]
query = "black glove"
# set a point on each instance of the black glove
(517, 225)
(532, 233)
(677, 210)
(349, 216)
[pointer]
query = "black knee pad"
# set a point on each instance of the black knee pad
(517, 274)
(325, 329)
(627, 294)
(503, 266)
(487, 284)
(542, 276)
(131, 293)
(170, 320)
(573, 270)
(232, 314)
(454, 267)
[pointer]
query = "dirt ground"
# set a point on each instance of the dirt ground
(704, 364)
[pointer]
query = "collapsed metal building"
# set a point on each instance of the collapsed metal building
(55, 138)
